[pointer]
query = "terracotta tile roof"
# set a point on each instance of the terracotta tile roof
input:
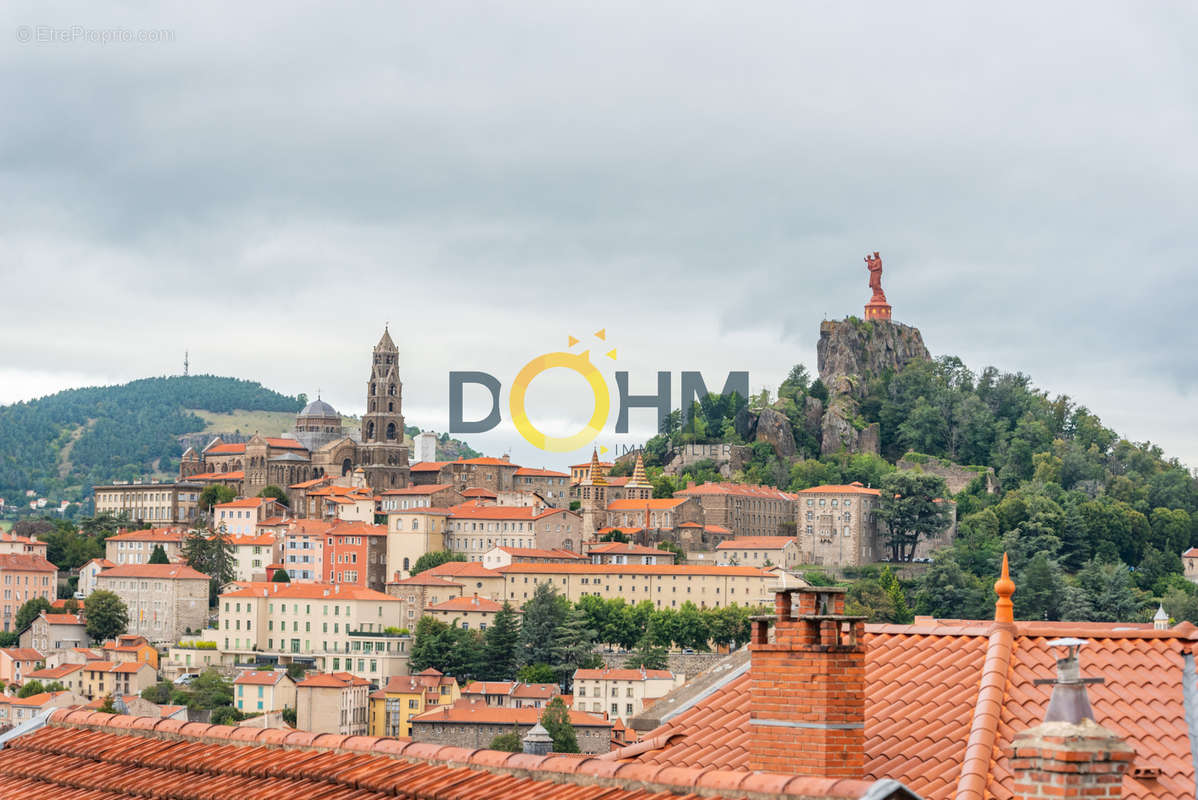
(87, 754)
(474, 511)
(308, 591)
(489, 687)
(931, 690)
(488, 461)
(541, 473)
(760, 542)
(260, 540)
(461, 569)
(284, 444)
(852, 488)
(431, 488)
(64, 619)
(740, 489)
(313, 482)
(271, 522)
(35, 700)
(53, 673)
(637, 569)
(536, 691)
(22, 653)
(155, 571)
(424, 579)
(1191, 553)
(415, 684)
(332, 680)
(616, 674)
(478, 491)
(659, 504)
(428, 466)
(225, 449)
(356, 529)
(533, 552)
(476, 712)
(150, 535)
(103, 562)
(245, 502)
(626, 549)
(26, 562)
(131, 666)
(474, 603)
(260, 677)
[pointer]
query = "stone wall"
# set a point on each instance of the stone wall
(956, 477)
(727, 457)
(686, 664)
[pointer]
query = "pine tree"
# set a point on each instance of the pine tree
(898, 598)
(572, 643)
(556, 719)
(543, 613)
(158, 556)
(500, 652)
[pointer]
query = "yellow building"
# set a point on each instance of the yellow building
(411, 533)
(665, 585)
(405, 696)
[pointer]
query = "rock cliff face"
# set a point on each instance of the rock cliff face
(850, 353)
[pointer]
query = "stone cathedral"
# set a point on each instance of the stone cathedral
(319, 445)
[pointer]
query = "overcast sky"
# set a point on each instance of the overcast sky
(701, 180)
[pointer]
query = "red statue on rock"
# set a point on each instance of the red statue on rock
(877, 307)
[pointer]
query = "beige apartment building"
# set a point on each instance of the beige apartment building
(746, 510)
(436, 495)
(333, 703)
(836, 525)
(253, 554)
(472, 576)
(665, 585)
(263, 690)
(56, 631)
(24, 577)
(11, 544)
(164, 601)
(411, 533)
(102, 678)
(330, 627)
(241, 517)
(156, 503)
(469, 612)
(136, 547)
(474, 529)
(760, 551)
(621, 693)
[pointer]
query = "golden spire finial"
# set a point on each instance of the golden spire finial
(1004, 587)
(639, 479)
(596, 470)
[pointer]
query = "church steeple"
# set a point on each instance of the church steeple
(382, 424)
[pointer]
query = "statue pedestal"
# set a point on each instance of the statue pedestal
(877, 310)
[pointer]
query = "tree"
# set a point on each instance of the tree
(536, 673)
(30, 688)
(648, 656)
(290, 717)
(209, 690)
(296, 671)
(501, 648)
(107, 707)
(556, 719)
(572, 642)
(211, 552)
(912, 507)
(159, 693)
(214, 494)
(280, 576)
(670, 547)
(948, 591)
(1108, 588)
(226, 715)
(277, 493)
(158, 556)
(107, 616)
(508, 742)
(544, 612)
(1039, 592)
(435, 559)
(30, 610)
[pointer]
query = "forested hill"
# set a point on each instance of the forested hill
(61, 444)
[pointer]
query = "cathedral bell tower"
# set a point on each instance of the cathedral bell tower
(383, 454)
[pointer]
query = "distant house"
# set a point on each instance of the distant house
(50, 631)
(334, 702)
(263, 690)
(474, 724)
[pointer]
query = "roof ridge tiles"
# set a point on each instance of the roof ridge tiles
(296, 755)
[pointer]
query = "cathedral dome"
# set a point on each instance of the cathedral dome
(319, 408)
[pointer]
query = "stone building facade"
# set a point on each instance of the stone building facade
(744, 509)
(836, 525)
(163, 600)
(157, 503)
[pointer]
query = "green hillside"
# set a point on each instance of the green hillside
(61, 444)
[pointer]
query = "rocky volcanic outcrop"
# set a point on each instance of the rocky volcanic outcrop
(774, 427)
(851, 352)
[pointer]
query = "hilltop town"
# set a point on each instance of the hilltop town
(779, 595)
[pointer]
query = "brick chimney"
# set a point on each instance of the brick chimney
(1069, 756)
(807, 687)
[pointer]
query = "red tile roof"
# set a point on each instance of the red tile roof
(284, 444)
(420, 682)
(760, 542)
(150, 535)
(930, 698)
(740, 489)
(852, 488)
(155, 571)
(307, 591)
(478, 491)
(461, 569)
(616, 674)
(424, 579)
(225, 449)
(637, 569)
(53, 673)
(260, 677)
(332, 680)
(431, 488)
(474, 603)
(35, 700)
(540, 473)
(64, 619)
(25, 562)
(22, 653)
(659, 504)
(1191, 553)
(488, 461)
(476, 712)
(626, 549)
(245, 502)
(259, 540)
(88, 754)
(474, 511)
(313, 482)
(428, 466)
(533, 552)
(232, 475)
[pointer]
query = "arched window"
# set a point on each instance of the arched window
(346, 466)
(369, 431)
(391, 390)
(390, 430)
(406, 567)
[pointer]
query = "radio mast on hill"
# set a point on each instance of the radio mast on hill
(185, 363)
